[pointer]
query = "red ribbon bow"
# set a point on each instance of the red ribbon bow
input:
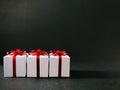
(38, 52)
(58, 52)
(15, 53)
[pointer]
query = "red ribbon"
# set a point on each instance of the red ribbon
(59, 53)
(15, 53)
(37, 53)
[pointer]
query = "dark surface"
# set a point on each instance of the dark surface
(80, 79)
(87, 29)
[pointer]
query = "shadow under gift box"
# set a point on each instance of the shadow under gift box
(19, 67)
(37, 71)
(59, 68)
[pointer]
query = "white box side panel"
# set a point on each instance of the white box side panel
(31, 66)
(53, 66)
(65, 69)
(8, 66)
(43, 66)
(21, 66)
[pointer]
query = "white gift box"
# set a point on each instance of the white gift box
(20, 66)
(57, 67)
(32, 66)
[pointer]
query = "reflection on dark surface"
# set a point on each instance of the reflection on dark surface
(95, 74)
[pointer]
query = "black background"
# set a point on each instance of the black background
(87, 29)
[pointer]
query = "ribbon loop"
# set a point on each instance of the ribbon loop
(58, 52)
(38, 52)
(17, 52)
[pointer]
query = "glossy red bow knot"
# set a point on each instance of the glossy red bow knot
(38, 52)
(17, 52)
(58, 52)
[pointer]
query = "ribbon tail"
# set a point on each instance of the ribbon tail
(38, 66)
(14, 66)
(60, 65)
